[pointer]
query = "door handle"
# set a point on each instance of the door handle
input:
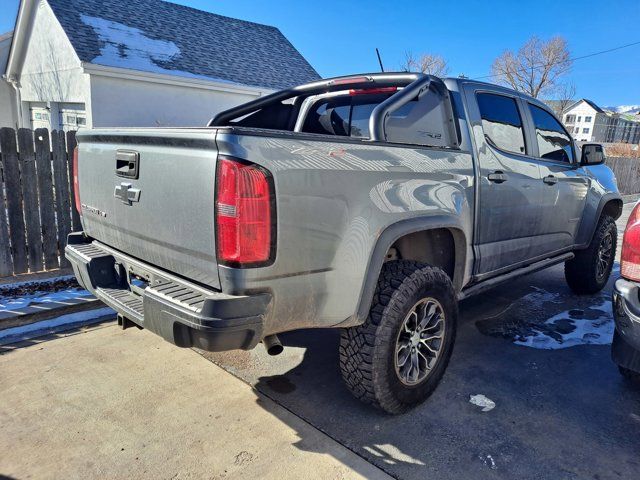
(497, 177)
(127, 162)
(550, 180)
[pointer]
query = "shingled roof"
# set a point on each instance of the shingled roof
(162, 37)
(589, 102)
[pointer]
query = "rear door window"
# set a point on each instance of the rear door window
(501, 122)
(554, 143)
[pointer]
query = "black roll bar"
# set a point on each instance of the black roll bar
(367, 80)
(414, 84)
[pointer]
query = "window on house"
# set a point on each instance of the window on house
(576, 130)
(71, 116)
(579, 119)
(585, 130)
(501, 122)
(570, 118)
(587, 119)
(554, 143)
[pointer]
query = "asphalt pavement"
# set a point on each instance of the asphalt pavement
(561, 413)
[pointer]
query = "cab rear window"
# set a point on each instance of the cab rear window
(346, 115)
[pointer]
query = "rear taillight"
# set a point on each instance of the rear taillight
(244, 216)
(630, 258)
(76, 186)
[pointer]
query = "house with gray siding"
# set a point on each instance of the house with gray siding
(112, 63)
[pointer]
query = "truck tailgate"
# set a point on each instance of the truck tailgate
(150, 193)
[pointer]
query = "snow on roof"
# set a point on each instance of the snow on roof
(162, 37)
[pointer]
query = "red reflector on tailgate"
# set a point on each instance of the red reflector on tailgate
(243, 213)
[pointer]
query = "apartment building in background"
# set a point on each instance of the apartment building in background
(587, 122)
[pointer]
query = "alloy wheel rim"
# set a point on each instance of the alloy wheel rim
(419, 341)
(604, 256)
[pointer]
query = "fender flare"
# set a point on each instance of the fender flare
(397, 230)
(607, 198)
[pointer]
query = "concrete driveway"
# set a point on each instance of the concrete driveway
(120, 404)
(109, 403)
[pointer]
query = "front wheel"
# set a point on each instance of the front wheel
(396, 358)
(588, 272)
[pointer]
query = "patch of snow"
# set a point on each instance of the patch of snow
(488, 461)
(541, 296)
(481, 401)
(26, 332)
(128, 47)
(391, 454)
(624, 109)
(17, 303)
(597, 331)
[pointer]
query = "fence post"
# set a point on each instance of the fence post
(11, 170)
(61, 182)
(47, 207)
(30, 198)
(6, 266)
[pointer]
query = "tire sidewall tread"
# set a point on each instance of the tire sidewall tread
(580, 272)
(367, 351)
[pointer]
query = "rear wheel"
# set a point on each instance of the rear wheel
(397, 357)
(588, 272)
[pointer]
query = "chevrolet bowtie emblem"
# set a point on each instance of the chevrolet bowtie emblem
(127, 194)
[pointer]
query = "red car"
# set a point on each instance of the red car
(625, 349)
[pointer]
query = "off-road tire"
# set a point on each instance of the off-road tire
(581, 271)
(367, 351)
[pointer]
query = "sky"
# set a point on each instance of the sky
(340, 37)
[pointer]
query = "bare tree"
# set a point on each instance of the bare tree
(566, 97)
(426, 63)
(536, 68)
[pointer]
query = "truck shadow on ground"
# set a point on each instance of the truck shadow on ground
(548, 402)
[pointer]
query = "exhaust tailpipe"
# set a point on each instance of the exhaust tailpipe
(272, 344)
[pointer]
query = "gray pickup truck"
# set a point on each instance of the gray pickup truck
(369, 203)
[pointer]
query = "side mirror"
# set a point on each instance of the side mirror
(592, 154)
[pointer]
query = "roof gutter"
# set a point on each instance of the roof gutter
(18, 100)
(165, 79)
(21, 32)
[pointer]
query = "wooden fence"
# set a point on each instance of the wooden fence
(627, 171)
(36, 199)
